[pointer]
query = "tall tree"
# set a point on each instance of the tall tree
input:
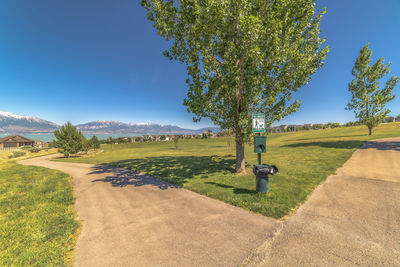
(242, 57)
(368, 101)
(69, 139)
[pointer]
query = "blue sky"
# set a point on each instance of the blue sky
(85, 60)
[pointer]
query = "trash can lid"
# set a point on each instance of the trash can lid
(265, 169)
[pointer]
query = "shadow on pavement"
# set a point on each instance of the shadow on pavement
(123, 177)
(389, 145)
(171, 169)
(332, 144)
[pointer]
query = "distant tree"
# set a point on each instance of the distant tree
(162, 137)
(398, 118)
(69, 140)
(86, 145)
(242, 57)
(349, 124)
(176, 141)
(367, 100)
(94, 142)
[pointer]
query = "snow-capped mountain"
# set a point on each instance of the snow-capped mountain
(144, 128)
(13, 123)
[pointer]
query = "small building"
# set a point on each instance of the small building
(390, 119)
(41, 144)
(15, 141)
(318, 126)
(282, 127)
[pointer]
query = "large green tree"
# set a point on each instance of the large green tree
(242, 57)
(69, 139)
(368, 101)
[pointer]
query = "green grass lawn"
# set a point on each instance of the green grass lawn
(304, 159)
(37, 222)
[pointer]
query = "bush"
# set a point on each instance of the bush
(17, 154)
(34, 150)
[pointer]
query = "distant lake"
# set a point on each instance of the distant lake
(50, 137)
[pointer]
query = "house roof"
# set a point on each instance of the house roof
(15, 138)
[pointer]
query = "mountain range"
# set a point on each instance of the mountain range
(12, 123)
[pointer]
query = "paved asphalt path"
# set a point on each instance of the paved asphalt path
(352, 219)
(134, 220)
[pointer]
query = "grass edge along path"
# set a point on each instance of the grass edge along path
(305, 159)
(38, 224)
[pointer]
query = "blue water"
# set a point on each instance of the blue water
(50, 137)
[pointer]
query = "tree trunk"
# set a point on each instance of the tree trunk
(370, 130)
(240, 164)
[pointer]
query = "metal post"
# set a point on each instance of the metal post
(259, 155)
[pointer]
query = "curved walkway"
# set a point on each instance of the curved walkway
(135, 220)
(353, 218)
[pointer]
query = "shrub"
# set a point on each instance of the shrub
(17, 154)
(34, 150)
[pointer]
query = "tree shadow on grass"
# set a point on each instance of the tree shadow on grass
(341, 136)
(388, 145)
(332, 144)
(174, 170)
(235, 189)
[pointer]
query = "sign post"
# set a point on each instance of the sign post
(259, 141)
(258, 123)
(261, 170)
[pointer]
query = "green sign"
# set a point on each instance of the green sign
(258, 123)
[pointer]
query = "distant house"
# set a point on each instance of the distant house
(390, 119)
(41, 144)
(15, 141)
(318, 126)
(282, 127)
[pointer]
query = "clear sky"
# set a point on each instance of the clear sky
(85, 60)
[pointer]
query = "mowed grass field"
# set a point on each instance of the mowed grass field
(37, 221)
(305, 159)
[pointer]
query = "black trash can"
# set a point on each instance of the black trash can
(262, 171)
